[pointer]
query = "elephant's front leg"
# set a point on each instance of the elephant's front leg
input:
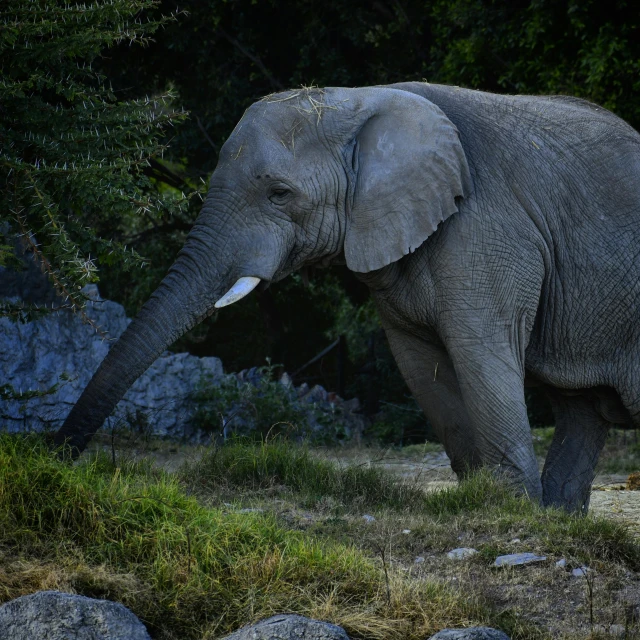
(491, 378)
(428, 371)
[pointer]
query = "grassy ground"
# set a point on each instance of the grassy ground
(248, 530)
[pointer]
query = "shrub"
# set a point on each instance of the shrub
(262, 406)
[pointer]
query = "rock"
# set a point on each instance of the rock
(419, 560)
(52, 615)
(472, 633)
(514, 559)
(406, 531)
(316, 394)
(461, 553)
(580, 572)
(368, 519)
(285, 380)
(352, 405)
(60, 349)
(289, 627)
(633, 481)
(561, 563)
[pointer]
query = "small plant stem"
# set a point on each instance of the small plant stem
(382, 552)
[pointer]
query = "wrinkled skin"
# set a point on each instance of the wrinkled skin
(499, 236)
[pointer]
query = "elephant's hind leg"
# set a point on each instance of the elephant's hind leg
(570, 465)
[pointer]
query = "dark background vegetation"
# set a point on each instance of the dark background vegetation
(220, 56)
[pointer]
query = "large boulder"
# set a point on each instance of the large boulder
(52, 615)
(289, 627)
(60, 349)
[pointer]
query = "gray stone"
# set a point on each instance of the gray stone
(368, 519)
(517, 559)
(580, 572)
(461, 553)
(60, 349)
(52, 615)
(472, 633)
(290, 627)
(561, 563)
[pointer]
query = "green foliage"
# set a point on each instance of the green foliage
(224, 55)
(399, 424)
(230, 406)
(570, 47)
(542, 438)
(72, 153)
(356, 322)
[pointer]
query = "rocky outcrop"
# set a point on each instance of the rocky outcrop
(47, 363)
(52, 615)
(289, 627)
(60, 352)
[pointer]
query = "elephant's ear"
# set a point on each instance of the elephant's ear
(409, 169)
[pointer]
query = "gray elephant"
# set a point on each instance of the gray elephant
(499, 236)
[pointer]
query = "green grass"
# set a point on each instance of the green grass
(490, 506)
(420, 450)
(482, 503)
(132, 534)
(279, 463)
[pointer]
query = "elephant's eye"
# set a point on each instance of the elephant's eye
(279, 195)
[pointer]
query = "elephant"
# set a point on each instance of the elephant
(499, 236)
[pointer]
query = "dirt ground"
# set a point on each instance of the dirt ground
(432, 471)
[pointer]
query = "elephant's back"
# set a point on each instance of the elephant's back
(568, 157)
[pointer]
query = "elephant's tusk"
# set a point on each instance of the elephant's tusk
(243, 287)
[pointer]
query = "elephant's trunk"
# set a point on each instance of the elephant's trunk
(182, 300)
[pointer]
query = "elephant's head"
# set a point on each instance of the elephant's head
(307, 177)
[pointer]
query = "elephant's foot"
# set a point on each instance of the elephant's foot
(567, 490)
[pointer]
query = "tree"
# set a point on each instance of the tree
(72, 154)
